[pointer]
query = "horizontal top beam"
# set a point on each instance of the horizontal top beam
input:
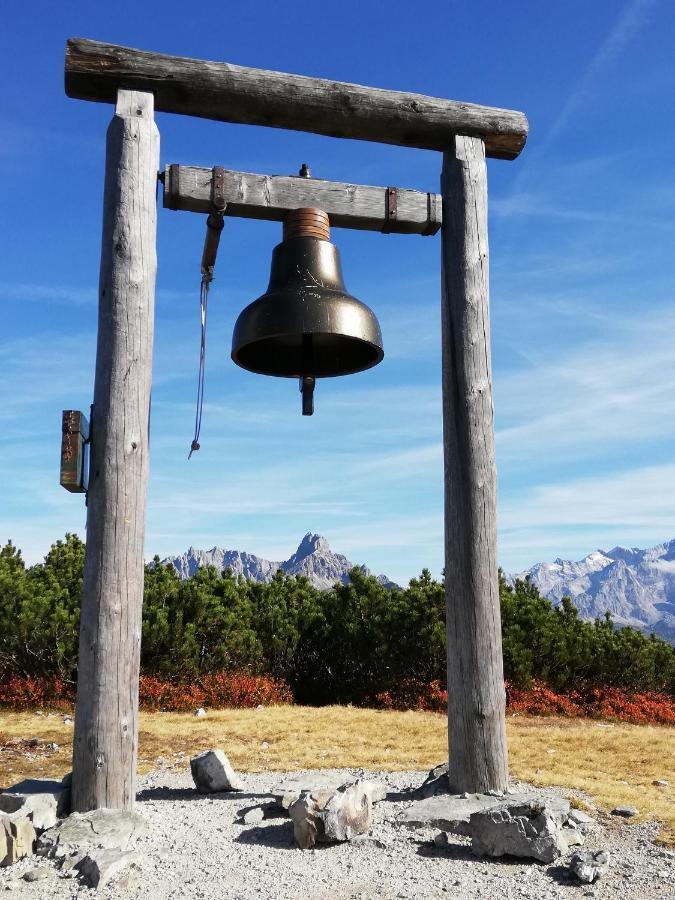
(270, 197)
(229, 93)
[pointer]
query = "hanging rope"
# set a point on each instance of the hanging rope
(214, 225)
(207, 278)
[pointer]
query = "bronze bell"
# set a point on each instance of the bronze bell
(306, 325)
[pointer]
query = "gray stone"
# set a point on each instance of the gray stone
(287, 792)
(200, 713)
(330, 818)
(212, 772)
(581, 819)
(70, 863)
(252, 816)
(367, 840)
(100, 866)
(626, 812)
(17, 837)
(436, 782)
(588, 865)
(110, 829)
(39, 873)
(532, 830)
(452, 812)
(574, 836)
(44, 800)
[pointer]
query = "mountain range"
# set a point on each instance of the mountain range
(313, 559)
(636, 586)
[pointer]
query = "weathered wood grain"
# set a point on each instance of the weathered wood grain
(229, 93)
(270, 197)
(106, 720)
(476, 698)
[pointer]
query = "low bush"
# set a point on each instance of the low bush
(217, 691)
(412, 694)
(241, 690)
(34, 693)
(588, 701)
(595, 702)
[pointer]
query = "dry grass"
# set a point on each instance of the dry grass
(614, 764)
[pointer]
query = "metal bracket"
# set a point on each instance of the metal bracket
(390, 208)
(172, 190)
(214, 222)
(433, 218)
(218, 189)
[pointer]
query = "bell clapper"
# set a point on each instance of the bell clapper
(307, 384)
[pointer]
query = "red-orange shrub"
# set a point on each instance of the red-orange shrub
(21, 693)
(594, 702)
(412, 694)
(218, 690)
(539, 700)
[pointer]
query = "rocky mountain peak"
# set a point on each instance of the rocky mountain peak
(311, 543)
(313, 559)
(636, 586)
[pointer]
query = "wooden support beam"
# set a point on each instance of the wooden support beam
(106, 720)
(476, 697)
(270, 197)
(229, 93)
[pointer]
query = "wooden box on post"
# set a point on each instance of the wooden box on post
(74, 451)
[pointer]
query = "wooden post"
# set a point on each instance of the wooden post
(106, 720)
(476, 698)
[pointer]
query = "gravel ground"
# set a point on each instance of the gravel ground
(196, 848)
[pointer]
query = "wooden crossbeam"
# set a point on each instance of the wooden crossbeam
(229, 93)
(269, 197)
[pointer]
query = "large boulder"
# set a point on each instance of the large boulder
(109, 829)
(452, 812)
(332, 817)
(534, 830)
(44, 800)
(287, 792)
(17, 837)
(212, 772)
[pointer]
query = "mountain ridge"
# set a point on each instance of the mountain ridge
(636, 586)
(313, 558)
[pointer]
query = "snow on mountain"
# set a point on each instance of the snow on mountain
(636, 586)
(314, 559)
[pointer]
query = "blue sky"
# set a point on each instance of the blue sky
(582, 266)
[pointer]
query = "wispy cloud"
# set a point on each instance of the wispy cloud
(632, 18)
(634, 507)
(618, 388)
(47, 293)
